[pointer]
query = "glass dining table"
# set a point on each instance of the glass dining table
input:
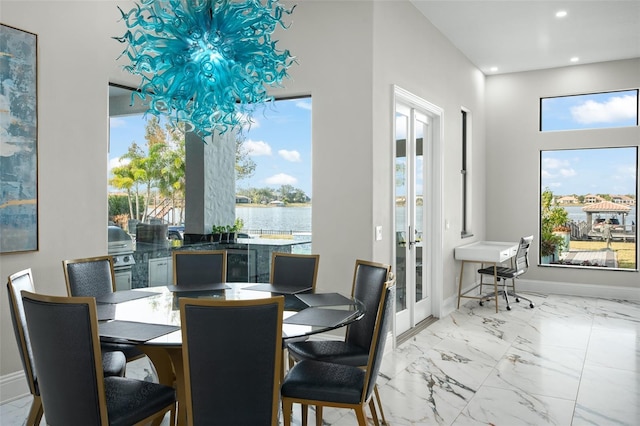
(150, 318)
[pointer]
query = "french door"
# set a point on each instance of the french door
(412, 201)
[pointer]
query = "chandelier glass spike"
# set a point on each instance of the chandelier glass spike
(205, 63)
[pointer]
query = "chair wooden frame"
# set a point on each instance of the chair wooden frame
(17, 316)
(374, 351)
(65, 263)
(99, 378)
(178, 253)
(276, 255)
(232, 304)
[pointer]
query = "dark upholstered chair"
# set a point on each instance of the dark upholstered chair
(94, 277)
(113, 363)
(319, 383)
(294, 270)
(232, 353)
(369, 280)
(198, 267)
(66, 354)
(519, 267)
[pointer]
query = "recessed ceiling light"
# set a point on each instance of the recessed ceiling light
(493, 69)
(561, 14)
(575, 59)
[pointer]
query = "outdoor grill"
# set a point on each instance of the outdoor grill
(121, 249)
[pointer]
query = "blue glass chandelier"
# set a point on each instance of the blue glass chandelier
(205, 63)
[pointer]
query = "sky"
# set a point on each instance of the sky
(278, 141)
(599, 110)
(590, 171)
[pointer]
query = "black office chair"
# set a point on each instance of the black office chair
(114, 363)
(319, 383)
(520, 264)
(232, 353)
(369, 281)
(197, 267)
(66, 355)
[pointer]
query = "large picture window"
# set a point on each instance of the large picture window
(588, 208)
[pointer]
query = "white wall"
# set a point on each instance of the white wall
(513, 157)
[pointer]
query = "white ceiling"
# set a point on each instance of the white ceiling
(523, 35)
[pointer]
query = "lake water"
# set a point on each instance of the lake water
(296, 220)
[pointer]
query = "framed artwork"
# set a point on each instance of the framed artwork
(18, 141)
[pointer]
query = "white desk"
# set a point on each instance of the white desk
(484, 252)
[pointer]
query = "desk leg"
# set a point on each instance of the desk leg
(460, 283)
(168, 364)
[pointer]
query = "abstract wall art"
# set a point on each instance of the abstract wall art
(18, 141)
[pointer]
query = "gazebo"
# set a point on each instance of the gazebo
(606, 207)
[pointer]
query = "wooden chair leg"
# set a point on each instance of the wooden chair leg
(287, 407)
(36, 411)
(305, 414)
(379, 401)
(374, 414)
(361, 416)
(318, 415)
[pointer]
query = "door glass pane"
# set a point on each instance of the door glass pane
(420, 129)
(402, 123)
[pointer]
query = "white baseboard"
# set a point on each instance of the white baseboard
(13, 386)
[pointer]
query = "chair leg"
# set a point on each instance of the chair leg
(318, 415)
(374, 414)
(305, 414)
(36, 411)
(287, 407)
(379, 401)
(361, 416)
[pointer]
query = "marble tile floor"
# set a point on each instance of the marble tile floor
(569, 361)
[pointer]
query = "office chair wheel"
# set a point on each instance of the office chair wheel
(508, 308)
(517, 300)
(481, 303)
(531, 305)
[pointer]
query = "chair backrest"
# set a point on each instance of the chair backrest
(383, 319)
(196, 267)
(91, 276)
(17, 282)
(66, 353)
(232, 355)
(522, 256)
(294, 270)
(368, 284)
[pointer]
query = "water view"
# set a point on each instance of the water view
(293, 221)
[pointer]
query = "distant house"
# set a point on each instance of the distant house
(623, 199)
(568, 199)
(241, 199)
(591, 198)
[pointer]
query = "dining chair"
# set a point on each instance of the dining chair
(66, 354)
(196, 267)
(369, 280)
(232, 353)
(289, 270)
(114, 363)
(320, 383)
(95, 277)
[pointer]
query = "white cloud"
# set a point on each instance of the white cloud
(117, 122)
(293, 156)
(257, 148)
(615, 109)
(303, 105)
(567, 172)
(281, 179)
(118, 161)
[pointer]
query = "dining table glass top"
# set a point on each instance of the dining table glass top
(151, 308)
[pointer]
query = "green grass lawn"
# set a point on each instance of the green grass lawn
(625, 252)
